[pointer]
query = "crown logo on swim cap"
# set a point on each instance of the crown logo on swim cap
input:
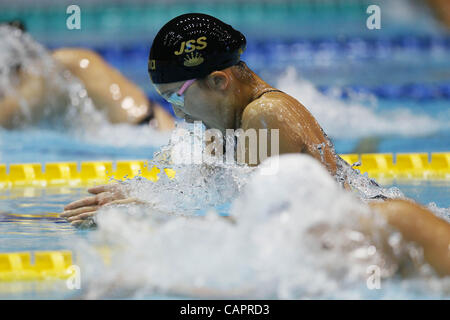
(193, 60)
(193, 45)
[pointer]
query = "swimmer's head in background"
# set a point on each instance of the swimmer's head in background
(17, 24)
(15, 66)
(20, 54)
(191, 46)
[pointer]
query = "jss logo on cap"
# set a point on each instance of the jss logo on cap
(192, 60)
(152, 64)
(188, 46)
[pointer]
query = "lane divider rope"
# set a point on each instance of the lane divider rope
(402, 165)
(388, 165)
(18, 266)
(67, 173)
(43, 265)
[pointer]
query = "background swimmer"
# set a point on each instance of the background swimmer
(235, 97)
(120, 99)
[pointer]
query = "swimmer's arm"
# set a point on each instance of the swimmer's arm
(82, 217)
(80, 212)
(121, 100)
(419, 225)
(32, 90)
(296, 134)
(110, 91)
(164, 120)
(9, 107)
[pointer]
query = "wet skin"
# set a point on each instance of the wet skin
(224, 102)
(122, 100)
(421, 226)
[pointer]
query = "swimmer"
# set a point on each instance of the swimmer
(441, 10)
(121, 100)
(195, 64)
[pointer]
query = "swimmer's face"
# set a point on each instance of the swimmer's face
(203, 99)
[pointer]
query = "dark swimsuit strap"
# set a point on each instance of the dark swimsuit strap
(272, 90)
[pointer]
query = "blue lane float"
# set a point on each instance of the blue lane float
(300, 49)
(354, 46)
(414, 91)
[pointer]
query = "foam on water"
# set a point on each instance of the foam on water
(363, 186)
(345, 119)
(294, 234)
(443, 213)
(198, 186)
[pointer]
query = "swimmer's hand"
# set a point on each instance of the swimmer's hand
(81, 212)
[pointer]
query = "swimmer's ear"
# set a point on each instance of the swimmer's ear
(218, 80)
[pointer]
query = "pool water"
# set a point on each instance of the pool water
(386, 91)
(29, 216)
(426, 192)
(29, 221)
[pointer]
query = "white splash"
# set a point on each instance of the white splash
(443, 213)
(344, 119)
(296, 234)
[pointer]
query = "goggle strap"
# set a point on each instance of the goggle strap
(185, 86)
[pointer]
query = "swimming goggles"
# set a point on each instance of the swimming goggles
(177, 98)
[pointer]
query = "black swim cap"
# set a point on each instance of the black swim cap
(193, 45)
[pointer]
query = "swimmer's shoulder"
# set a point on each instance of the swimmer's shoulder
(71, 57)
(266, 108)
